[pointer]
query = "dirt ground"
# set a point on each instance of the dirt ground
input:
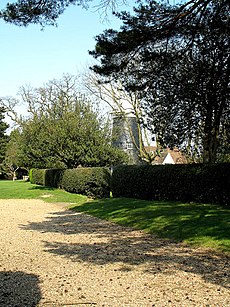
(50, 256)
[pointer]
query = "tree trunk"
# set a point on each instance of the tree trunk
(210, 143)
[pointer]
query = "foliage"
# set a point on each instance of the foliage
(53, 177)
(37, 176)
(46, 177)
(93, 182)
(31, 179)
(3, 137)
(192, 182)
(63, 129)
(14, 153)
(24, 12)
(177, 57)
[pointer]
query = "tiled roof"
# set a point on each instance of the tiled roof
(176, 155)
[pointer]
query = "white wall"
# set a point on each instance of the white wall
(168, 159)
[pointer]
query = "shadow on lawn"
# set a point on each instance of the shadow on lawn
(42, 188)
(106, 242)
(19, 289)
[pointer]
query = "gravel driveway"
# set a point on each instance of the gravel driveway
(50, 256)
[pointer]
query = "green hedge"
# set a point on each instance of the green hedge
(37, 176)
(53, 177)
(93, 182)
(192, 182)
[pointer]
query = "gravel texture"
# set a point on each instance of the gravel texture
(50, 256)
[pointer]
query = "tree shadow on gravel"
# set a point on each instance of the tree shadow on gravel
(19, 289)
(105, 242)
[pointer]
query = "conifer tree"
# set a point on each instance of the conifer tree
(178, 59)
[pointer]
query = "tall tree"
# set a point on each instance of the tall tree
(180, 68)
(62, 130)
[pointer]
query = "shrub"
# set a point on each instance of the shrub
(37, 176)
(53, 177)
(194, 182)
(93, 182)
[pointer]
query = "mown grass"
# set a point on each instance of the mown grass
(26, 190)
(204, 225)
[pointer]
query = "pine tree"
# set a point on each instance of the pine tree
(179, 62)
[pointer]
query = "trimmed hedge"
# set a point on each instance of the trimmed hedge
(191, 182)
(93, 182)
(53, 177)
(37, 176)
(46, 177)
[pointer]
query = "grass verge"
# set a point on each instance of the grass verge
(205, 225)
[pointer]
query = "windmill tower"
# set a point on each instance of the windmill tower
(126, 135)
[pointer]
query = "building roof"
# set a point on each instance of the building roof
(168, 156)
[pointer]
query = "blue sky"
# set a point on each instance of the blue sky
(31, 56)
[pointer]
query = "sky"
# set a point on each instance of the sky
(31, 56)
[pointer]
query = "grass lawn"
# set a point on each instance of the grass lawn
(204, 225)
(26, 190)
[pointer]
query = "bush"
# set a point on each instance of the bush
(192, 182)
(93, 182)
(37, 176)
(53, 177)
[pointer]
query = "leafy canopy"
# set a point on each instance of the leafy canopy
(62, 130)
(177, 57)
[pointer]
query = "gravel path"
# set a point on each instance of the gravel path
(50, 256)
